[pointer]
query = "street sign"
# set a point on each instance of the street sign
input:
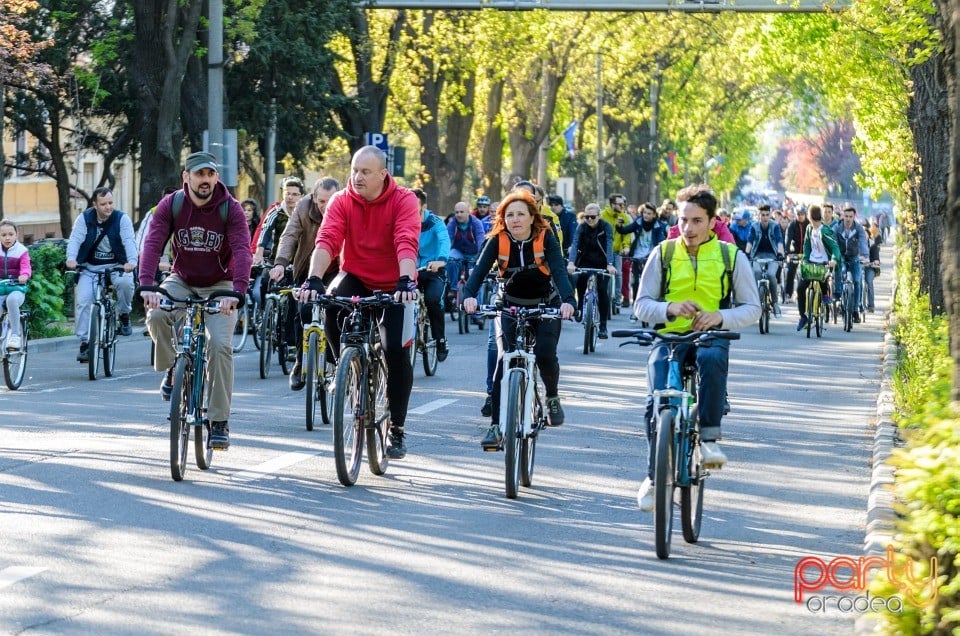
(376, 139)
(398, 160)
(226, 154)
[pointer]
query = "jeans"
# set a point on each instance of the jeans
(219, 344)
(432, 284)
(13, 301)
(791, 278)
(636, 271)
(392, 337)
(123, 286)
(712, 360)
(771, 275)
(492, 355)
(853, 266)
(869, 273)
(454, 265)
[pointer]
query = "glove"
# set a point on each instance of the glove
(314, 283)
(405, 284)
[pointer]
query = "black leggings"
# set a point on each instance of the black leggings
(392, 338)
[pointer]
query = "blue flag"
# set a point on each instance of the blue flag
(569, 135)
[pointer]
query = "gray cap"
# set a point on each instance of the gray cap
(201, 160)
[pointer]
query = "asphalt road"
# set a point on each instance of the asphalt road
(98, 539)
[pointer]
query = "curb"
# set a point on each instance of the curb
(54, 344)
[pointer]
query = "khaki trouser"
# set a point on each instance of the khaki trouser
(219, 346)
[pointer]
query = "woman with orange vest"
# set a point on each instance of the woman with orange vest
(528, 255)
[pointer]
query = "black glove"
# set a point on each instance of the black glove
(314, 283)
(405, 284)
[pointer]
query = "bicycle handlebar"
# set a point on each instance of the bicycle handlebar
(646, 337)
(219, 293)
(515, 311)
(377, 299)
(592, 270)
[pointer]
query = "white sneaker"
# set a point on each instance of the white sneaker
(645, 495)
(713, 457)
(13, 342)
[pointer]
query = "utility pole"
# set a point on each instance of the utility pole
(654, 146)
(600, 188)
(215, 82)
(271, 171)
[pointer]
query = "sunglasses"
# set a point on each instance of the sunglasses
(589, 217)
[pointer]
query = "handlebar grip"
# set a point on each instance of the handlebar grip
(224, 293)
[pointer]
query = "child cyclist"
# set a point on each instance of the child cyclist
(15, 271)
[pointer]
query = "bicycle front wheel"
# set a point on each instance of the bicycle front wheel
(429, 350)
(93, 343)
(848, 310)
(314, 381)
(15, 362)
(181, 406)
(514, 431)
(241, 328)
(267, 330)
(348, 416)
(377, 458)
(528, 446)
(663, 485)
(764, 310)
(109, 347)
(326, 388)
(463, 320)
(691, 496)
(588, 325)
(203, 451)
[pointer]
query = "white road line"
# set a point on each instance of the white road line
(430, 406)
(273, 465)
(11, 575)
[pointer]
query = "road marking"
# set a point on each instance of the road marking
(430, 406)
(273, 465)
(11, 575)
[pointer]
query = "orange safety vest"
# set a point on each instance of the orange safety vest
(503, 257)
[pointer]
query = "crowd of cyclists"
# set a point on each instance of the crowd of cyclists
(685, 265)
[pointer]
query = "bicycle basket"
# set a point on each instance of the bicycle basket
(813, 271)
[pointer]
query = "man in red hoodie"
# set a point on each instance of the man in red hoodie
(374, 225)
(211, 251)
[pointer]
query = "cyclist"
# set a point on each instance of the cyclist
(648, 232)
(465, 235)
(482, 212)
(855, 249)
(793, 239)
(374, 225)
(592, 246)
(615, 214)
(819, 247)
(538, 195)
(766, 241)
(211, 251)
(873, 267)
(431, 258)
(687, 285)
(101, 238)
(271, 229)
(15, 271)
(529, 258)
(568, 220)
(296, 246)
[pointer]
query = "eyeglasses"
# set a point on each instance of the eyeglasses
(589, 217)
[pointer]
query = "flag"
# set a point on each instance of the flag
(569, 135)
(671, 161)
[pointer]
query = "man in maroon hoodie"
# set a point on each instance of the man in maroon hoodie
(211, 251)
(374, 225)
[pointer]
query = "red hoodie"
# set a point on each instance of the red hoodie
(719, 228)
(372, 237)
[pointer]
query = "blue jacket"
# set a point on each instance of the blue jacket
(434, 242)
(469, 241)
(773, 233)
(862, 246)
(636, 228)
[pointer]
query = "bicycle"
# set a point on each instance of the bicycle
(360, 388)
(189, 395)
(848, 304)
(318, 371)
(522, 414)
(816, 308)
(255, 310)
(423, 340)
(102, 332)
(463, 320)
(273, 327)
(590, 313)
(14, 362)
(678, 462)
(766, 298)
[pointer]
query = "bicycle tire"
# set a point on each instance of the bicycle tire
(595, 332)
(203, 451)
(93, 342)
(15, 362)
(764, 310)
(241, 328)
(180, 409)
(811, 312)
(377, 459)
(283, 348)
(463, 320)
(847, 309)
(266, 338)
(512, 434)
(347, 427)
(109, 347)
(528, 446)
(588, 306)
(691, 497)
(429, 350)
(329, 376)
(663, 481)
(256, 319)
(314, 383)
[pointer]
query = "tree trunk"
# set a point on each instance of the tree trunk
(3, 158)
(533, 117)
(492, 167)
(164, 43)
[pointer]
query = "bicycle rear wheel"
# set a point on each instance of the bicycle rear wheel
(847, 309)
(691, 497)
(588, 324)
(180, 409)
(255, 316)
(764, 310)
(15, 362)
(326, 388)
(267, 332)
(93, 343)
(314, 381)
(347, 423)
(812, 310)
(463, 320)
(513, 433)
(429, 349)
(528, 446)
(109, 347)
(663, 481)
(241, 328)
(377, 458)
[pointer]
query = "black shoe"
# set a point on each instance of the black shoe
(396, 448)
(492, 440)
(554, 411)
(125, 328)
(577, 315)
(166, 387)
(297, 381)
(856, 316)
(487, 409)
(442, 350)
(84, 356)
(603, 333)
(726, 406)
(219, 436)
(626, 303)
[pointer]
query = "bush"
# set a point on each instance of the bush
(45, 292)
(927, 479)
